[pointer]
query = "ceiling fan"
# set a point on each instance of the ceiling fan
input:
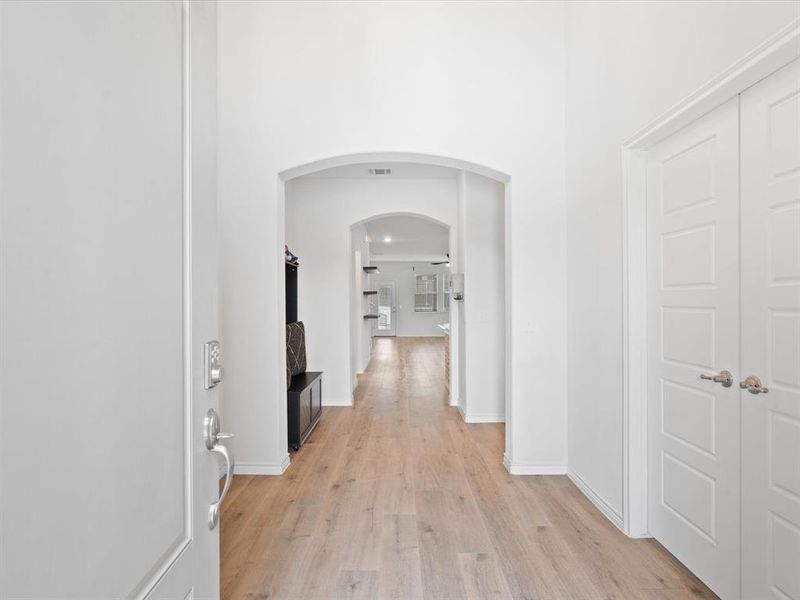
(443, 262)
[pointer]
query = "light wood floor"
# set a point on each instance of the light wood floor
(399, 498)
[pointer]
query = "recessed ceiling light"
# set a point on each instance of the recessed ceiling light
(387, 239)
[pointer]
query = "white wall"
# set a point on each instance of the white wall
(482, 82)
(482, 311)
(627, 63)
(409, 323)
(319, 216)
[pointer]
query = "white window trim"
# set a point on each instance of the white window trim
(442, 290)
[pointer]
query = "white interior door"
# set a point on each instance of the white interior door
(771, 337)
(109, 291)
(693, 330)
(387, 309)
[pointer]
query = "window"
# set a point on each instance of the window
(426, 294)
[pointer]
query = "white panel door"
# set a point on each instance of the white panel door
(771, 337)
(693, 330)
(107, 227)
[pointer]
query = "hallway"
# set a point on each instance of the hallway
(399, 498)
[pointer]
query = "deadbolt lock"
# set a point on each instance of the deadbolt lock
(213, 364)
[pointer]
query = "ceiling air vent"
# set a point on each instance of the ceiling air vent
(380, 171)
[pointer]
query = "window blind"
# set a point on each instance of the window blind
(426, 294)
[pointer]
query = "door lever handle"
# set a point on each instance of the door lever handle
(724, 377)
(753, 385)
(213, 511)
(213, 436)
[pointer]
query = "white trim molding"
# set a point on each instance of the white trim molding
(338, 402)
(483, 418)
(263, 468)
(460, 407)
(517, 469)
(599, 502)
(469, 417)
(774, 53)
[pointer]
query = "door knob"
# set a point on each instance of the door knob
(753, 385)
(724, 377)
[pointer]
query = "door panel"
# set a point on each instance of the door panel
(103, 463)
(771, 336)
(693, 322)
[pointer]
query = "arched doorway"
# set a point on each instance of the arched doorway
(404, 248)
(468, 181)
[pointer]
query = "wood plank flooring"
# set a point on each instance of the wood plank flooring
(398, 498)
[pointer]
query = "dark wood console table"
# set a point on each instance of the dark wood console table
(304, 406)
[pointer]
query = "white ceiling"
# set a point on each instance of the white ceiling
(413, 239)
(399, 171)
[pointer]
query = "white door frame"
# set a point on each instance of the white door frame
(776, 52)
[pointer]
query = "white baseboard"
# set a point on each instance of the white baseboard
(262, 468)
(489, 418)
(600, 503)
(460, 407)
(338, 402)
(426, 335)
(506, 462)
(516, 469)
(477, 418)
